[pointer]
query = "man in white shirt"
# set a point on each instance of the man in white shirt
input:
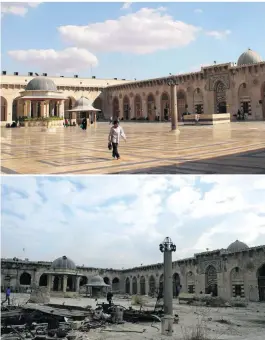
(115, 133)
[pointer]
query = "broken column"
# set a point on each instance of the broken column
(167, 247)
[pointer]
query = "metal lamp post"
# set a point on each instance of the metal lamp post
(167, 247)
(172, 83)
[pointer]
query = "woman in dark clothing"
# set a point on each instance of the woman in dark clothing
(84, 124)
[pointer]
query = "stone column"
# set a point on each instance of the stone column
(167, 247)
(25, 112)
(49, 282)
(146, 285)
(174, 108)
(42, 109)
(58, 109)
(77, 284)
(95, 119)
(29, 109)
(64, 283)
(34, 109)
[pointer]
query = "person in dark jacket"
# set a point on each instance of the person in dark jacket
(8, 292)
(84, 124)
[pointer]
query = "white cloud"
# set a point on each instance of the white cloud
(219, 35)
(126, 5)
(198, 11)
(70, 215)
(142, 32)
(17, 8)
(68, 60)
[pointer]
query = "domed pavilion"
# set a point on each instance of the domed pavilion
(63, 276)
(42, 99)
(84, 109)
(97, 286)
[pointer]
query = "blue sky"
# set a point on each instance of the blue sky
(119, 221)
(151, 40)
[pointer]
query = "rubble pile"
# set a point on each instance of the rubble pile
(39, 295)
(51, 321)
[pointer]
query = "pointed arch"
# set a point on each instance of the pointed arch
(106, 280)
(116, 284)
(261, 282)
(142, 285)
(211, 280)
(3, 109)
(220, 97)
(69, 103)
(25, 279)
(152, 285)
(182, 103)
(97, 103)
(244, 101)
(115, 108)
(165, 106)
(198, 101)
(151, 108)
(126, 107)
(138, 109)
(176, 284)
(134, 286)
(83, 281)
(190, 282)
(17, 108)
(237, 282)
(43, 281)
(127, 286)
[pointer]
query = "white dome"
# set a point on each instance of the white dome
(249, 57)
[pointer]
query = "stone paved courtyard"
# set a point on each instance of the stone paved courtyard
(150, 149)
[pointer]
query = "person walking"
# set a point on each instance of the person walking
(84, 123)
(116, 132)
(8, 292)
(110, 121)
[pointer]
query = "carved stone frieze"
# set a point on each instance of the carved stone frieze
(215, 78)
(215, 263)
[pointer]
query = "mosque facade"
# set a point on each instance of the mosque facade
(238, 271)
(219, 88)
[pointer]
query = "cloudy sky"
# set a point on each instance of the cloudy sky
(119, 221)
(138, 40)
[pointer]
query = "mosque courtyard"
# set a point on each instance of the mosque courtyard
(236, 148)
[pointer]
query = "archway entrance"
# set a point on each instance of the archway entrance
(83, 281)
(237, 282)
(69, 103)
(190, 282)
(3, 109)
(220, 97)
(182, 103)
(198, 101)
(115, 108)
(176, 284)
(261, 282)
(98, 105)
(263, 99)
(126, 108)
(116, 284)
(142, 285)
(244, 102)
(134, 285)
(56, 284)
(152, 285)
(211, 281)
(106, 280)
(70, 284)
(127, 286)
(165, 106)
(43, 280)
(151, 109)
(25, 279)
(138, 106)
(17, 109)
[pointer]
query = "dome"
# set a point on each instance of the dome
(83, 101)
(249, 57)
(237, 246)
(63, 263)
(41, 84)
(97, 281)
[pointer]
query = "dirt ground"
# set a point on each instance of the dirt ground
(247, 323)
